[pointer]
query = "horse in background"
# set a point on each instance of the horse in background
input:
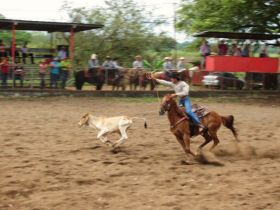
(121, 80)
(135, 79)
(142, 81)
(96, 77)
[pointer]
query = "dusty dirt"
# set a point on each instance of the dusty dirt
(48, 163)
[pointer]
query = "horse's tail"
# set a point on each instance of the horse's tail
(228, 122)
(141, 118)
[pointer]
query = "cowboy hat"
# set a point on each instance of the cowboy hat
(93, 56)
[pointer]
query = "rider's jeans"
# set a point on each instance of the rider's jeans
(187, 104)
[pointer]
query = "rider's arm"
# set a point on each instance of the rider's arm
(182, 89)
(165, 83)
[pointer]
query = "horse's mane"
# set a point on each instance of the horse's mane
(178, 110)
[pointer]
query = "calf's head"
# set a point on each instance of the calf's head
(84, 120)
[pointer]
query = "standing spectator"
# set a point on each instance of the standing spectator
(62, 53)
(54, 72)
(245, 52)
(222, 48)
(25, 54)
(138, 63)
(18, 74)
(232, 49)
(43, 68)
(3, 52)
(204, 52)
(93, 63)
(237, 51)
(65, 66)
(4, 71)
(168, 66)
(263, 52)
(181, 65)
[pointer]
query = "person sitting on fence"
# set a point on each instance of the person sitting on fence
(25, 54)
(19, 74)
(93, 64)
(43, 68)
(54, 70)
(62, 53)
(263, 51)
(138, 63)
(4, 71)
(65, 66)
(168, 66)
(3, 52)
(17, 55)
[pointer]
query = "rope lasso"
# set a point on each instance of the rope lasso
(154, 83)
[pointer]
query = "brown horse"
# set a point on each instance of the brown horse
(179, 124)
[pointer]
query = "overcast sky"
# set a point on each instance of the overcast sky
(50, 10)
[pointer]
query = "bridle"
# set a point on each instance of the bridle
(165, 107)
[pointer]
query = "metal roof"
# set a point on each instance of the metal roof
(28, 25)
(237, 35)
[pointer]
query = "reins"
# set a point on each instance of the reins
(178, 122)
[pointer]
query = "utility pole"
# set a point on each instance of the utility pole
(174, 28)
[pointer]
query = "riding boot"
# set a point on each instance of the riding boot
(204, 128)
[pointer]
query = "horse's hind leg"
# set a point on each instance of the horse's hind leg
(206, 141)
(215, 139)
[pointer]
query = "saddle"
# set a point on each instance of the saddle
(200, 111)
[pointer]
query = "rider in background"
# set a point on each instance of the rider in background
(167, 67)
(108, 63)
(138, 63)
(181, 89)
(93, 63)
(181, 65)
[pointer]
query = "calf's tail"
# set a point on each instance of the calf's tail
(141, 118)
(228, 122)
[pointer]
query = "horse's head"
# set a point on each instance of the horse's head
(166, 104)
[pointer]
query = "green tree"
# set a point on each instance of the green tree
(260, 16)
(21, 36)
(127, 32)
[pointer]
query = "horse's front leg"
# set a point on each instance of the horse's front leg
(187, 142)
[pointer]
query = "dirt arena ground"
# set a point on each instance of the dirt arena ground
(48, 163)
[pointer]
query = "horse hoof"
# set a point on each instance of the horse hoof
(116, 150)
(184, 162)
